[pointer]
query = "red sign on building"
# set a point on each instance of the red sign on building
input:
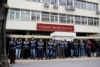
(54, 27)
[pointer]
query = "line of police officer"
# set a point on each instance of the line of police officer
(35, 48)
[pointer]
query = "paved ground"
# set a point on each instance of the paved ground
(76, 62)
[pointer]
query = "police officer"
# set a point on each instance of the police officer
(12, 50)
(33, 48)
(62, 49)
(40, 46)
(26, 48)
(66, 48)
(71, 48)
(55, 48)
(97, 48)
(50, 46)
(76, 48)
(18, 48)
(89, 45)
(82, 48)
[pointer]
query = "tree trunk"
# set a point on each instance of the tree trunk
(3, 16)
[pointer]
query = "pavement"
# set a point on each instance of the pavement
(68, 62)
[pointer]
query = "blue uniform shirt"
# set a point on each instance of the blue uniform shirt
(26, 44)
(18, 44)
(12, 45)
(40, 45)
(50, 45)
(62, 45)
(33, 44)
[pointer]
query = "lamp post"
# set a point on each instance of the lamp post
(3, 16)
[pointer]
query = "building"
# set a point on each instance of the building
(40, 18)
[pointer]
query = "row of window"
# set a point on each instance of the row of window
(75, 3)
(30, 15)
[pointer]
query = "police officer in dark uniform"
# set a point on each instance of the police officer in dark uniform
(55, 48)
(40, 46)
(66, 48)
(33, 48)
(26, 48)
(71, 48)
(97, 48)
(62, 49)
(18, 48)
(50, 46)
(12, 50)
(76, 48)
(82, 48)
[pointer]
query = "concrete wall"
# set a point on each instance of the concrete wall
(20, 25)
(26, 25)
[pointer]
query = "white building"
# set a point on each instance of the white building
(40, 18)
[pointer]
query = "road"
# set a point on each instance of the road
(76, 62)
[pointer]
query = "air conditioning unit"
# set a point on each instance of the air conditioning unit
(28, 0)
(67, 7)
(71, 8)
(80, 0)
(98, 12)
(46, 5)
(55, 6)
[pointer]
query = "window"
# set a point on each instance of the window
(8, 15)
(83, 5)
(46, 1)
(90, 21)
(62, 18)
(77, 4)
(14, 14)
(96, 22)
(62, 2)
(69, 2)
(86, 5)
(83, 20)
(35, 16)
(36, 0)
(45, 16)
(89, 6)
(70, 19)
(17, 14)
(77, 19)
(25, 15)
(54, 1)
(95, 7)
(53, 17)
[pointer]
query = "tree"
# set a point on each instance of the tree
(3, 16)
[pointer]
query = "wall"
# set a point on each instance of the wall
(26, 25)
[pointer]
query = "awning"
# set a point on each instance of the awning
(86, 37)
(63, 34)
(30, 36)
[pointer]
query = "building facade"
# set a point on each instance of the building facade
(40, 18)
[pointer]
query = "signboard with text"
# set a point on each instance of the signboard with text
(54, 27)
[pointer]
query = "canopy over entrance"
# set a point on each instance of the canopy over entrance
(63, 35)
